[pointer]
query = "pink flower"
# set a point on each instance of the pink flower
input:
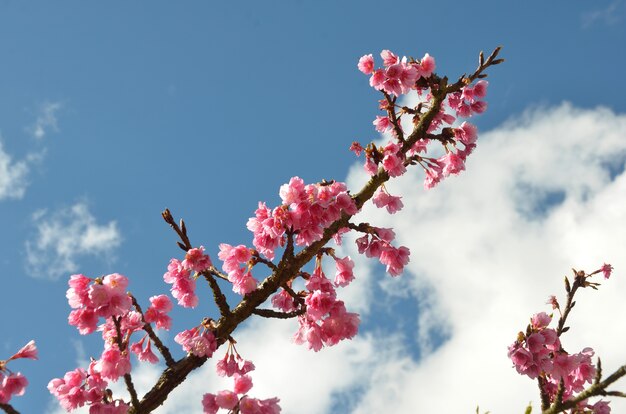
(113, 364)
(157, 312)
(283, 301)
(144, 354)
(466, 133)
(366, 64)
(85, 320)
(196, 343)
(395, 259)
(552, 301)
(377, 79)
(344, 271)
(209, 405)
(480, 89)
(78, 293)
(540, 320)
(226, 399)
(196, 260)
(310, 333)
(383, 199)
(356, 148)
(13, 384)
(394, 165)
(606, 270)
(293, 192)
(27, 351)
(452, 163)
(389, 58)
(427, 66)
(600, 407)
(479, 107)
(382, 123)
(243, 384)
(319, 303)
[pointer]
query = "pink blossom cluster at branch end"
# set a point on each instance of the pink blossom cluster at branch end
(398, 77)
(538, 353)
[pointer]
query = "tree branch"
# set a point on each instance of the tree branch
(8, 408)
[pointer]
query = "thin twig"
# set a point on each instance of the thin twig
(127, 377)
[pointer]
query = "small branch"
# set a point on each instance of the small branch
(220, 299)
(482, 66)
(269, 313)
(592, 391)
(393, 116)
(545, 398)
(122, 347)
(361, 227)
(131, 389)
(8, 408)
(218, 296)
(180, 230)
(266, 262)
(579, 278)
(213, 271)
(169, 361)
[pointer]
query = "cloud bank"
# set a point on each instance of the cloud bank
(63, 237)
(543, 193)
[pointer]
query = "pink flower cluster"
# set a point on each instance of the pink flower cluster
(306, 210)
(198, 341)
(326, 321)
(398, 77)
(183, 284)
(240, 276)
(382, 198)
(79, 387)
(539, 353)
(14, 383)
(106, 297)
(92, 299)
(179, 274)
(378, 244)
(467, 102)
(232, 365)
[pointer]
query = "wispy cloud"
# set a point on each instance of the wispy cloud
(46, 120)
(13, 175)
(609, 15)
(64, 236)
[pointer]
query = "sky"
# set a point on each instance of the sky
(110, 113)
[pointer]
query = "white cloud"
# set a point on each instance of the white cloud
(493, 251)
(486, 253)
(46, 120)
(12, 176)
(610, 15)
(63, 237)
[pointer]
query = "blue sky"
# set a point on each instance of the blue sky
(111, 112)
